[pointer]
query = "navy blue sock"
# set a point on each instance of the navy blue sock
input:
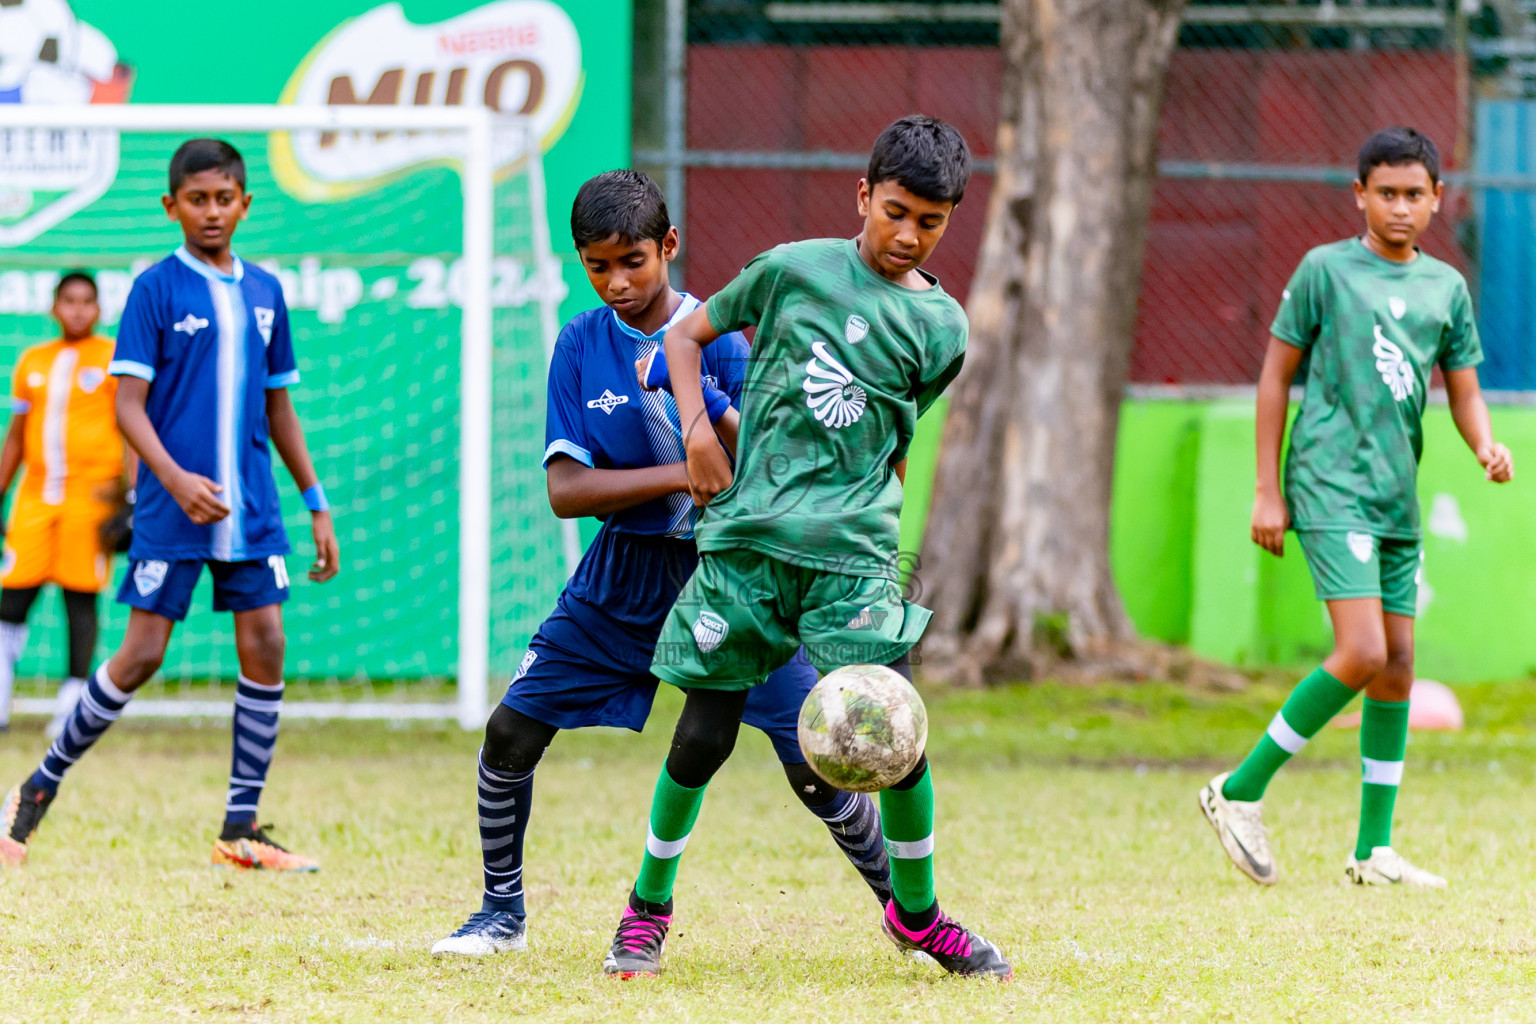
(100, 705)
(255, 734)
(854, 821)
(504, 799)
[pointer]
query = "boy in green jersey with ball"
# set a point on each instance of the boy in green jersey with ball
(799, 544)
(1375, 315)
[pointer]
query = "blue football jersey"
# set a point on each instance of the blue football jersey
(598, 414)
(210, 345)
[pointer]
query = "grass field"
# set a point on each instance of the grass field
(1068, 833)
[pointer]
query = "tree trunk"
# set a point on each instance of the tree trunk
(1016, 560)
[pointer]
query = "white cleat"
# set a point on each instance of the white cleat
(1385, 866)
(486, 933)
(1240, 827)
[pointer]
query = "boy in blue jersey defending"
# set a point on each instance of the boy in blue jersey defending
(615, 451)
(204, 360)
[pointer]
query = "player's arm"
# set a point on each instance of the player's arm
(576, 490)
(709, 470)
(288, 438)
(197, 495)
(1471, 415)
(652, 373)
(901, 471)
(10, 454)
(1270, 518)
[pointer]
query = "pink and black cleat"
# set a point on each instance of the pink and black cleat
(637, 948)
(952, 946)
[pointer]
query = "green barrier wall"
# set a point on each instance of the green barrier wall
(1189, 574)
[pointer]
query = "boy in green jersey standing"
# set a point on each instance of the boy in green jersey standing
(853, 343)
(1375, 315)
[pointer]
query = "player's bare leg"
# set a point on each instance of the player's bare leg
(243, 844)
(137, 659)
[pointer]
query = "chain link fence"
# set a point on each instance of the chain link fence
(772, 107)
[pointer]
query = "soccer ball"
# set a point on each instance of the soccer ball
(862, 728)
(48, 56)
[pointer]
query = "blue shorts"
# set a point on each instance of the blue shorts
(165, 588)
(570, 679)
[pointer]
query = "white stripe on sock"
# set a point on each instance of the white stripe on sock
(663, 849)
(1286, 738)
(108, 687)
(1381, 773)
(916, 850)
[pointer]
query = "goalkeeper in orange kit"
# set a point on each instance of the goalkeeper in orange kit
(71, 510)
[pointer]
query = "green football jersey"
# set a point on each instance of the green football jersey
(1373, 331)
(843, 364)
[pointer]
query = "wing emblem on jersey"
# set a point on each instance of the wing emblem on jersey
(831, 392)
(1394, 369)
(189, 325)
(607, 401)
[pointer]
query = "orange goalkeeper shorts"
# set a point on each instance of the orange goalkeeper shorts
(56, 544)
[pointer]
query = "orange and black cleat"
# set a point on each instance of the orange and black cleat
(248, 848)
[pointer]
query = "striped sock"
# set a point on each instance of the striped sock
(674, 809)
(100, 705)
(854, 822)
(255, 734)
(1316, 699)
(908, 818)
(505, 799)
(1383, 742)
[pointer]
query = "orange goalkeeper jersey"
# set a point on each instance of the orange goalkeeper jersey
(72, 444)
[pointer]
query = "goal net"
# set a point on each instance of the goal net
(413, 247)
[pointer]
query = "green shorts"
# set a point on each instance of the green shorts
(743, 614)
(1351, 563)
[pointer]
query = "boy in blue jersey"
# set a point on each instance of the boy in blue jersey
(204, 360)
(615, 451)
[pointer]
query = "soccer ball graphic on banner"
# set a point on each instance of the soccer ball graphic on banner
(48, 56)
(863, 728)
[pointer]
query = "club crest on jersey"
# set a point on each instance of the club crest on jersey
(831, 392)
(1397, 306)
(525, 665)
(264, 318)
(90, 378)
(147, 576)
(856, 329)
(189, 325)
(1393, 367)
(607, 401)
(709, 631)
(1361, 545)
(709, 380)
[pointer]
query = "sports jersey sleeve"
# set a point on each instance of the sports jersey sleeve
(564, 431)
(729, 354)
(21, 395)
(941, 371)
(1461, 347)
(282, 368)
(1299, 318)
(741, 303)
(138, 335)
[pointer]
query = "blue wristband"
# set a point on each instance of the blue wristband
(715, 403)
(314, 499)
(656, 375)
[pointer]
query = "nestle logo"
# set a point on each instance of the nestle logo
(489, 40)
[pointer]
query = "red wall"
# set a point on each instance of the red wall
(1218, 253)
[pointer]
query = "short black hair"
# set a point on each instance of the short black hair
(623, 203)
(71, 278)
(197, 155)
(1397, 147)
(923, 155)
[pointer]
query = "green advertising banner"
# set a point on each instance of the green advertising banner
(365, 231)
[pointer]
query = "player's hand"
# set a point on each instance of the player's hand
(1270, 521)
(709, 468)
(651, 371)
(1498, 465)
(199, 498)
(327, 552)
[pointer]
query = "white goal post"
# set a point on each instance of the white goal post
(479, 132)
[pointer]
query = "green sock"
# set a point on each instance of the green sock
(674, 809)
(1383, 741)
(1315, 700)
(906, 816)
